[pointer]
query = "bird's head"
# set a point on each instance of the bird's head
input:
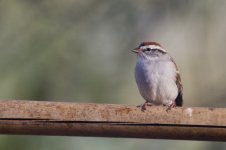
(149, 50)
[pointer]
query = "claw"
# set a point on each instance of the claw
(170, 107)
(144, 106)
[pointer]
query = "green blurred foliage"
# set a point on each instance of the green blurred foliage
(80, 51)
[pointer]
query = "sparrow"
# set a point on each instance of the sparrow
(157, 76)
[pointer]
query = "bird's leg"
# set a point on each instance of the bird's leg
(143, 106)
(173, 104)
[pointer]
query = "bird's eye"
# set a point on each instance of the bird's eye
(148, 49)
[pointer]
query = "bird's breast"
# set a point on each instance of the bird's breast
(156, 80)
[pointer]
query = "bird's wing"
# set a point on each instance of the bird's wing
(179, 99)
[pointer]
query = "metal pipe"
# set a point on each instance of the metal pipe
(111, 120)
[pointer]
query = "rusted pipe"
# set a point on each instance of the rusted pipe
(110, 120)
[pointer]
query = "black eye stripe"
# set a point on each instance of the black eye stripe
(154, 50)
(149, 49)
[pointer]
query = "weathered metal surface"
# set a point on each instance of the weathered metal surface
(110, 120)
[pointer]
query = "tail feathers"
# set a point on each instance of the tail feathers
(179, 99)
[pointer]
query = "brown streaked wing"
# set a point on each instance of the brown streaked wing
(179, 99)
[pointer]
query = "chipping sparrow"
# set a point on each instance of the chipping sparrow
(157, 76)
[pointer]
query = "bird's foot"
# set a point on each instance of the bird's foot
(170, 106)
(144, 106)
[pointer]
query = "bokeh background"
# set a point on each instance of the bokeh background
(79, 51)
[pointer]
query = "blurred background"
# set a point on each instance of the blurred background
(79, 51)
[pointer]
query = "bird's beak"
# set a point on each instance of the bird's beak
(136, 50)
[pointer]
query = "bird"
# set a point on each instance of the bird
(157, 76)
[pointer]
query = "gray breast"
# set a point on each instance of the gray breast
(156, 80)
